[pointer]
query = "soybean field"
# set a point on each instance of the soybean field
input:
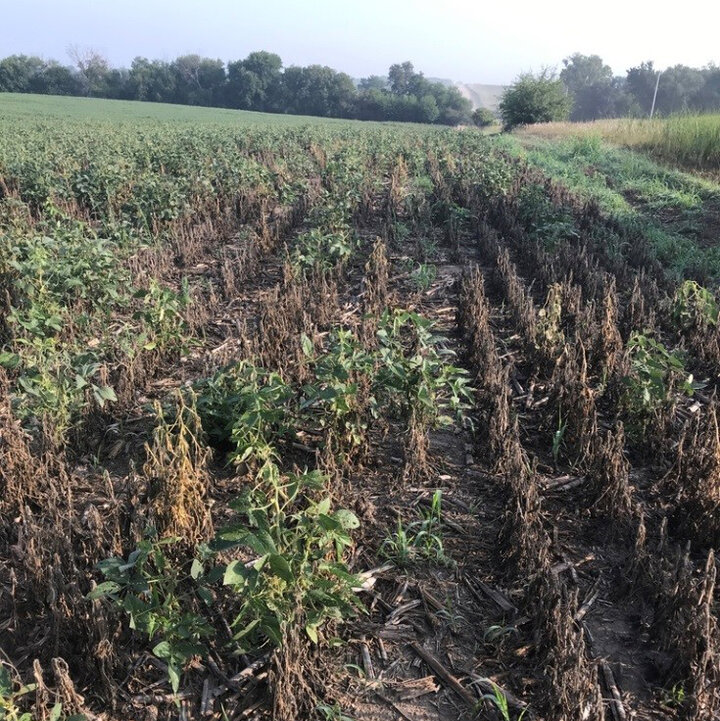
(333, 420)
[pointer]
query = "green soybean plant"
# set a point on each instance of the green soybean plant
(297, 575)
(165, 600)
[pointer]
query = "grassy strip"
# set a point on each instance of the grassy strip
(677, 212)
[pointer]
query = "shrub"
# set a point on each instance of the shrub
(532, 99)
(483, 118)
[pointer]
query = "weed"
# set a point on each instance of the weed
(333, 713)
(655, 373)
(424, 276)
(413, 373)
(498, 698)
(11, 696)
(317, 250)
(694, 304)
(421, 540)
(674, 697)
(495, 634)
(558, 438)
(163, 314)
(246, 408)
(339, 399)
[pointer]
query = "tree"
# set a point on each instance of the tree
(532, 99)
(117, 84)
(198, 80)
(708, 98)
(374, 82)
(678, 89)
(151, 80)
(483, 118)
(254, 83)
(590, 83)
(455, 109)
(92, 68)
(318, 90)
(17, 73)
(579, 71)
(56, 79)
(641, 82)
(401, 77)
(428, 111)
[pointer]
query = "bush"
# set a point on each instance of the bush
(483, 118)
(534, 99)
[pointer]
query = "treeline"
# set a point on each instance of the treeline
(596, 93)
(259, 82)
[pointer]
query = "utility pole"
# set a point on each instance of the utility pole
(657, 83)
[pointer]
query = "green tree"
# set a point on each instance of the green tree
(17, 73)
(151, 80)
(374, 82)
(56, 79)
(708, 98)
(590, 83)
(641, 85)
(579, 71)
(428, 110)
(93, 69)
(678, 89)
(401, 76)
(539, 98)
(318, 90)
(198, 80)
(483, 118)
(254, 83)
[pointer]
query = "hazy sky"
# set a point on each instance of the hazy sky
(470, 41)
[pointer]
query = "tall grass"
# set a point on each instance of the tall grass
(691, 141)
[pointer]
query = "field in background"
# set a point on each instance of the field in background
(56, 107)
(329, 420)
(691, 141)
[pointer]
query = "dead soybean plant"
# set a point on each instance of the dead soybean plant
(702, 641)
(639, 314)
(176, 470)
(576, 426)
(610, 344)
(523, 539)
(519, 300)
(23, 475)
(374, 291)
(498, 425)
(687, 628)
(570, 677)
(394, 196)
(283, 319)
(473, 320)
(695, 480)
(610, 478)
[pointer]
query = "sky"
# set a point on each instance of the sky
(463, 40)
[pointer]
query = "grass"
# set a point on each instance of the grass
(689, 141)
(677, 211)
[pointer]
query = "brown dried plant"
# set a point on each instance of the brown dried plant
(177, 474)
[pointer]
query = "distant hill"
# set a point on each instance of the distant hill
(482, 96)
